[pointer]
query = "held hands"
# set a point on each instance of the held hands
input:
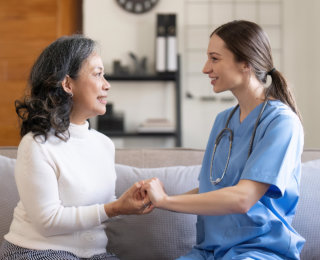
(155, 190)
(134, 201)
(140, 198)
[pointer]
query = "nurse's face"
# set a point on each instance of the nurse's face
(225, 73)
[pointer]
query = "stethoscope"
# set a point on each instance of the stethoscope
(227, 130)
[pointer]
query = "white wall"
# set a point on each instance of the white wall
(302, 62)
(119, 32)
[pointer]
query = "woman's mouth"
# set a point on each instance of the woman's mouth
(214, 80)
(103, 99)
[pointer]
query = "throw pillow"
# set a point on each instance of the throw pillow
(8, 194)
(160, 234)
(306, 220)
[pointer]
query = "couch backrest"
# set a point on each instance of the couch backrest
(152, 157)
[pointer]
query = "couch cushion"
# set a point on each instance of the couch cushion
(160, 234)
(8, 194)
(306, 220)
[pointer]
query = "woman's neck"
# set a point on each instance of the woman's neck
(249, 97)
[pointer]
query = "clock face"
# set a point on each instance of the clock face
(137, 6)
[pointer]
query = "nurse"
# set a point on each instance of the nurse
(250, 176)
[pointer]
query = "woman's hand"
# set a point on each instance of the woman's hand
(155, 190)
(132, 201)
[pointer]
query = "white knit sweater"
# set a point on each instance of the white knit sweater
(62, 188)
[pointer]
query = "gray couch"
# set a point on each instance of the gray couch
(162, 234)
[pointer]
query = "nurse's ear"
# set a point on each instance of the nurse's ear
(67, 85)
(245, 67)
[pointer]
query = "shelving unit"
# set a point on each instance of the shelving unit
(173, 77)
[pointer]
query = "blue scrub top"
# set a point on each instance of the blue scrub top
(275, 160)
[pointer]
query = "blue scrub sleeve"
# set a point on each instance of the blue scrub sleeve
(276, 155)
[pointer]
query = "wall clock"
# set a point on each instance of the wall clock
(137, 6)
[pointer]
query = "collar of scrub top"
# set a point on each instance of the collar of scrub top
(228, 130)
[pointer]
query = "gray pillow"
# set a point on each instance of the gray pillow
(160, 234)
(8, 194)
(306, 220)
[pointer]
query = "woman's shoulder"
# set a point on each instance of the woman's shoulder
(277, 110)
(31, 144)
(280, 117)
(101, 137)
(31, 139)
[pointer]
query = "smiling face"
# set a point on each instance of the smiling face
(225, 73)
(89, 90)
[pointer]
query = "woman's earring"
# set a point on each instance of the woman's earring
(71, 95)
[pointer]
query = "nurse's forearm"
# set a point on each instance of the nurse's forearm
(211, 203)
(230, 200)
(194, 191)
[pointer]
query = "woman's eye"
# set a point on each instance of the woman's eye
(99, 74)
(214, 59)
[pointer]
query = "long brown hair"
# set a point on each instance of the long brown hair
(250, 44)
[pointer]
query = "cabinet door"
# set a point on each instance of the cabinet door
(26, 28)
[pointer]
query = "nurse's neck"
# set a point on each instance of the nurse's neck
(249, 97)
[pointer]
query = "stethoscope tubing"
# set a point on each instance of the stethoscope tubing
(217, 141)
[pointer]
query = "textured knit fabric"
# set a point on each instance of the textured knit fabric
(10, 251)
(63, 187)
(275, 160)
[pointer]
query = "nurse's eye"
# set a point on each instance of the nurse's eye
(99, 74)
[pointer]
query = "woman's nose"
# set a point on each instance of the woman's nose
(206, 68)
(106, 84)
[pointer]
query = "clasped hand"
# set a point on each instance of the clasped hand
(141, 198)
(153, 188)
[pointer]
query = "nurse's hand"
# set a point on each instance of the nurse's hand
(155, 190)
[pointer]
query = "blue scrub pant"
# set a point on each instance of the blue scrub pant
(198, 254)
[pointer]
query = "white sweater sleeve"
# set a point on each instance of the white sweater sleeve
(36, 179)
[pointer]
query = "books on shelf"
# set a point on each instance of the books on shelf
(156, 125)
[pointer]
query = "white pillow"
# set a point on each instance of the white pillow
(8, 194)
(306, 220)
(160, 234)
(311, 164)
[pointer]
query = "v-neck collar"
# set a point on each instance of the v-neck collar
(248, 122)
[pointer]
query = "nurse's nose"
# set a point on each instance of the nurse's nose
(206, 68)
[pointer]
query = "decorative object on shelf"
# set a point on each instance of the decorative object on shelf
(171, 43)
(120, 70)
(156, 125)
(213, 97)
(161, 47)
(166, 43)
(140, 67)
(137, 6)
(111, 121)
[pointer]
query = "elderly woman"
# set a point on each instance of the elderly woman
(65, 171)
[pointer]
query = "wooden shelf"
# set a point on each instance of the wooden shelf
(156, 77)
(136, 134)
